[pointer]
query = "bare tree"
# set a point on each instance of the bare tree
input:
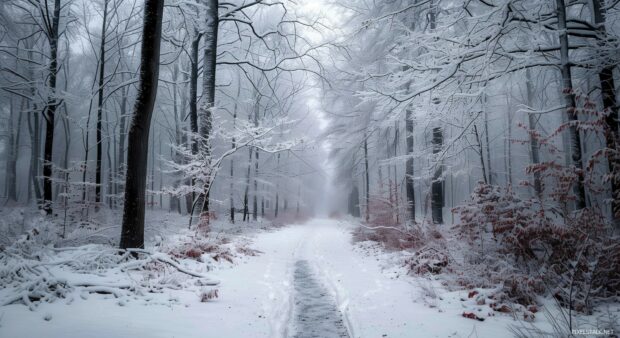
(132, 233)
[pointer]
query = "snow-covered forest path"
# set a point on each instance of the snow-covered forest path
(310, 280)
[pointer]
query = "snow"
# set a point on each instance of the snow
(361, 292)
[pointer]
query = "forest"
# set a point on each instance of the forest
(309, 168)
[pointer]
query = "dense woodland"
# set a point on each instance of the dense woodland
(489, 122)
(76, 78)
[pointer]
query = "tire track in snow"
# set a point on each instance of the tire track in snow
(316, 314)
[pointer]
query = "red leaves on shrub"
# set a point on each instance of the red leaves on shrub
(472, 315)
(427, 260)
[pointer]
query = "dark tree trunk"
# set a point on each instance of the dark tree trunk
(186, 140)
(193, 90)
(367, 174)
(232, 160)
(11, 159)
(608, 91)
(534, 148)
(122, 137)
(569, 101)
(50, 110)
(262, 203)
(396, 197)
(132, 234)
(298, 199)
(100, 107)
(208, 94)
(34, 129)
(481, 155)
(277, 207)
(354, 202)
(254, 198)
(174, 203)
(488, 147)
(256, 154)
(151, 177)
(409, 183)
(437, 198)
(246, 208)
(33, 181)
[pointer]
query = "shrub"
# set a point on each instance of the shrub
(574, 257)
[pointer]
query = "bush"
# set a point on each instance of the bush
(574, 258)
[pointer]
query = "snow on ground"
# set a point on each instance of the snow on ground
(258, 298)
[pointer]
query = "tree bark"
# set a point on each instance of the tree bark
(232, 160)
(409, 172)
(11, 158)
(246, 207)
(100, 107)
(488, 146)
(208, 94)
(132, 234)
(256, 164)
(367, 174)
(174, 200)
(50, 110)
(122, 137)
(534, 149)
(569, 101)
(437, 198)
(608, 92)
(277, 190)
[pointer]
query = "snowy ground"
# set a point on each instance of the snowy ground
(302, 268)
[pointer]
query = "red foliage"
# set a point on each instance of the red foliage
(472, 315)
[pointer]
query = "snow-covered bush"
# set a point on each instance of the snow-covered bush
(199, 244)
(573, 258)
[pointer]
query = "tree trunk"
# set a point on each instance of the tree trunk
(246, 207)
(354, 202)
(481, 155)
(122, 138)
(50, 110)
(298, 198)
(396, 197)
(437, 198)
(132, 234)
(151, 177)
(33, 181)
(208, 94)
(174, 199)
(608, 92)
(367, 174)
(232, 160)
(508, 143)
(11, 158)
(262, 202)
(255, 197)
(277, 191)
(187, 140)
(569, 101)
(409, 172)
(534, 149)
(193, 105)
(488, 145)
(100, 107)
(34, 129)
(256, 154)
(193, 90)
